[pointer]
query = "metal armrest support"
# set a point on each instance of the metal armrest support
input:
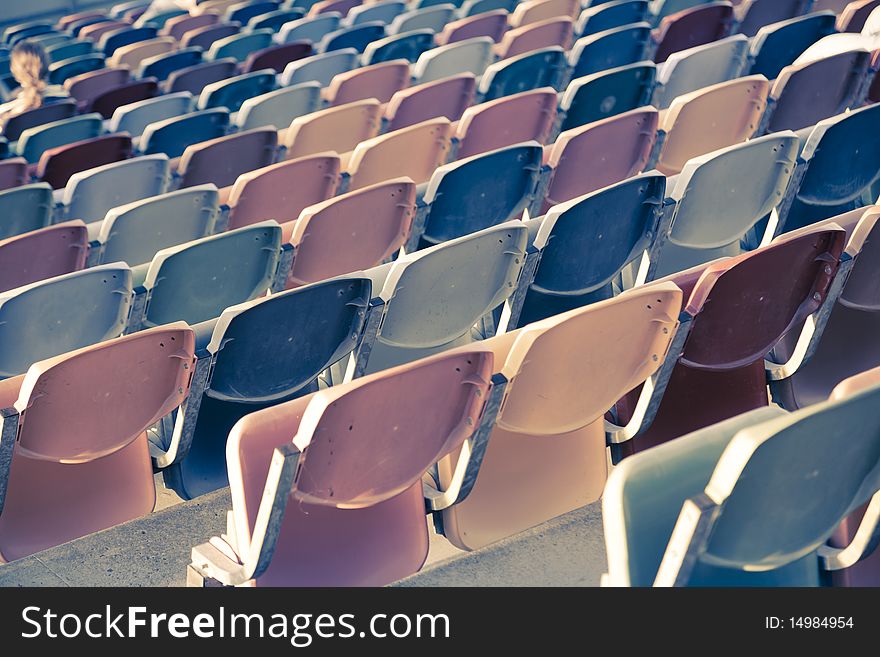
(866, 540)
(8, 434)
(357, 365)
(417, 229)
(663, 228)
(688, 541)
(282, 271)
(510, 315)
(791, 192)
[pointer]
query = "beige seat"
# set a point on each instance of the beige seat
(543, 34)
(533, 11)
(133, 54)
(338, 129)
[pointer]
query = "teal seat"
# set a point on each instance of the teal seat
(609, 93)
(384, 12)
(599, 17)
(313, 28)
(67, 68)
(239, 46)
(408, 46)
(232, 92)
(280, 107)
(172, 136)
(531, 70)
(320, 68)
(432, 18)
(25, 208)
(135, 117)
(34, 141)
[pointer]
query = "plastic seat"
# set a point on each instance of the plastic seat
(855, 14)
(60, 314)
(278, 108)
(838, 168)
(588, 158)
(68, 49)
(204, 37)
(586, 243)
(711, 118)
(193, 79)
(610, 15)
(58, 164)
(283, 190)
(95, 31)
(162, 66)
(372, 531)
(764, 166)
(470, 56)
(836, 6)
(533, 11)
(379, 81)
(178, 26)
(25, 208)
(220, 161)
(431, 18)
(620, 46)
(384, 12)
(277, 57)
(243, 12)
(695, 68)
(338, 129)
(804, 94)
(357, 37)
(172, 136)
(134, 232)
(340, 6)
(239, 46)
(199, 279)
(408, 46)
(606, 94)
(738, 310)
(36, 117)
(550, 429)
(61, 71)
(111, 41)
(474, 7)
(134, 54)
(312, 28)
(353, 231)
(35, 141)
(467, 278)
(232, 92)
(13, 172)
(531, 70)
(756, 14)
(275, 20)
(776, 46)
(692, 27)
(42, 253)
(158, 20)
(752, 473)
(320, 68)
(261, 353)
(521, 117)
(448, 97)
(135, 117)
(544, 34)
(88, 86)
(99, 466)
(491, 24)
(65, 22)
(109, 101)
(500, 183)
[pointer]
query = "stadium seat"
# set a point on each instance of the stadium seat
(58, 164)
(470, 56)
(696, 26)
(312, 28)
(543, 34)
(222, 160)
(531, 70)
(132, 55)
(172, 136)
(277, 57)
(609, 15)
(195, 78)
(491, 24)
(431, 18)
(777, 45)
(179, 25)
(408, 46)
(162, 66)
(239, 46)
(42, 253)
(35, 141)
(752, 15)
(130, 92)
(61, 71)
(135, 117)
(447, 97)
(320, 68)
(232, 92)
(357, 37)
(338, 129)
(533, 11)
(600, 51)
(379, 81)
(280, 107)
(36, 117)
(606, 94)
(13, 172)
(204, 37)
(25, 208)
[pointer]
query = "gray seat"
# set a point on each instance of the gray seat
(60, 314)
(468, 56)
(688, 70)
(279, 107)
(320, 68)
(312, 28)
(34, 141)
(90, 194)
(25, 208)
(135, 232)
(196, 281)
(432, 18)
(384, 11)
(719, 198)
(134, 118)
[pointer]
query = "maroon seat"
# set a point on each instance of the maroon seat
(203, 37)
(13, 172)
(88, 86)
(42, 254)
(221, 161)
(58, 164)
(277, 57)
(740, 309)
(194, 78)
(38, 116)
(692, 27)
(179, 25)
(107, 102)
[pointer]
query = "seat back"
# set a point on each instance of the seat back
(281, 191)
(13, 172)
(25, 208)
(275, 20)
(195, 78)
(60, 72)
(356, 36)
(608, 93)
(58, 164)
(379, 81)
(134, 118)
(855, 15)
(702, 66)
(433, 18)
(408, 46)
(108, 102)
(239, 46)
(172, 136)
(136, 231)
(338, 129)
(470, 56)
(34, 141)
(220, 161)
(178, 26)
(533, 11)
(162, 66)
(525, 116)
(311, 28)
(87, 86)
(36, 117)
(543, 34)
(204, 37)
(777, 45)
(531, 70)
(134, 54)
(278, 108)
(447, 98)
(618, 46)
(320, 68)
(60, 314)
(354, 231)
(198, 280)
(232, 92)
(491, 24)
(760, 13)
(705, 23)
(43, 253)
(277, 57)
(609, 15)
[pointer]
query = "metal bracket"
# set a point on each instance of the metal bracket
(282, 270)
(372, 325)
(8, 436)
(688, 541)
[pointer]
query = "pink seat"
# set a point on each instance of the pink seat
(58, 164)
(43, 253)
(414, 152)
(338, 129)
(692, 27)
(81, 461)
(380, 81)
(447, 97)
(351, 232)
(281, 191)
(84, 88)
(222, 160)
(68, 20)
(355, 515)
(326, 6)
(13, 172)
(543, 34)
(133, 54)
(96, 30)
(526, 116)
(179, 25)
(492, 24)
(596, 155)
(534, 11)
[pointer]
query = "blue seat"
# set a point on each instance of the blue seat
(531, 70)
(239, 46)
(408, 46)
(68, 68)
(172, 136)
(475, 193)
(612, 48)
(320, 68)
(357, 37)
(609, 15)
(607, 93)
(776, 46)
(313, 28)
(161, 66)
(38, 116)
(431, 18)
(384, 12)
(274, 20)
(34, 141)
(16, 33)
(25, 208)
(245, 11)
(158, 20)
(90, 194)
(68, 49)
(259, 353)
(760, 13)
(60, 314)
(278, 108)
(135, 117)
(232, 92)
(663, 8)
(194, 78)
(110, 41)
(585, 244)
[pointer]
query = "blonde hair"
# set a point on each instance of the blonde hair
(29, 66)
